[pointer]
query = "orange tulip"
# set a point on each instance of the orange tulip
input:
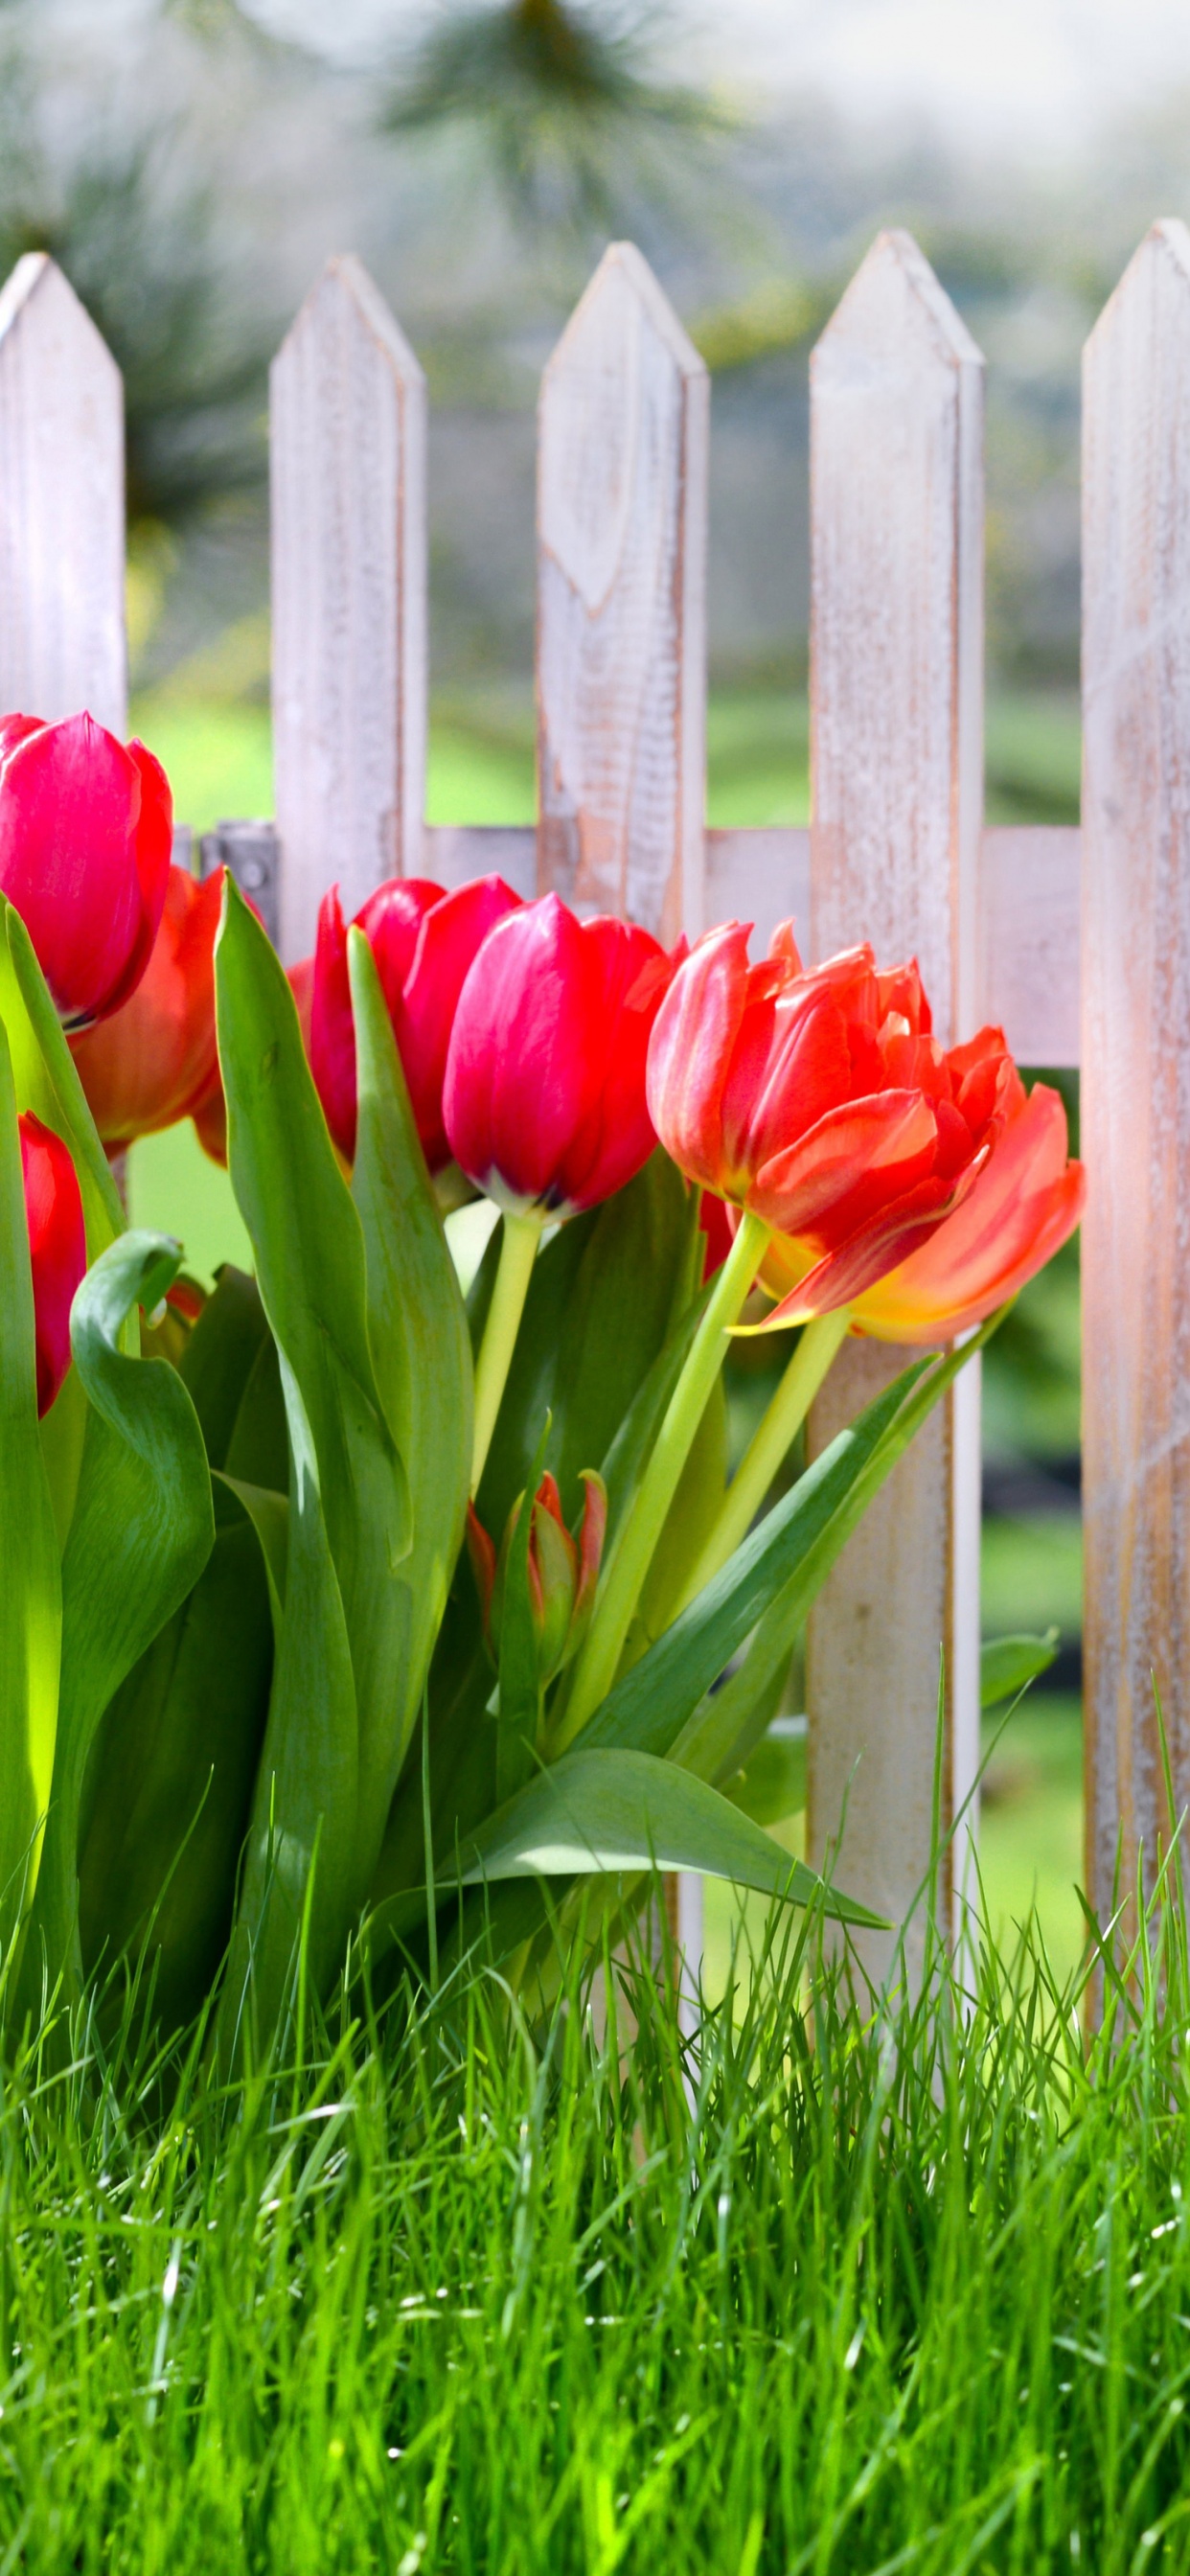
(822, 1104)
(1024, 1204)
(154, 1061)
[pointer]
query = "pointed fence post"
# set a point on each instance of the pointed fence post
(349, 600)
(896, 697)
(621, 605)
(61, 504)
(623, 428)
(1136, 1061)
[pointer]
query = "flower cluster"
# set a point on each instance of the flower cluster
(913, 1186)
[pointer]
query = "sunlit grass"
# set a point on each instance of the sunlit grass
(838, 2291)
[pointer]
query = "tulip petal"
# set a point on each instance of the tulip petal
(451, 934)
(690, 1052)
(84, 858)
(151, 1063)
(853, 1159)
(57, 1248)
(525, 1035)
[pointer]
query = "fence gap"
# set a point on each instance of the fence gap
(62, 642)
(348, 418)
(1136, 1029)
(897, 762)
(621, 605)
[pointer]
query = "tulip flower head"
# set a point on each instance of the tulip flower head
(423, 941)
(544, 1100)
(154, 1061)
(563, 1572)
(57, 1248)
(1024, 1203)
(86, 829)
(822, 1103)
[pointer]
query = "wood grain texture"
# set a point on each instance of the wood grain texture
(896, 753)
(1028, 955)
(621, 617)
(1027, 968)
(1136, 1037)
(61, 504)
(348, 419)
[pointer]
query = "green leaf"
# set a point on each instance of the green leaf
(519, 1700)
(174, 1769)
(30, 1588)
(629, 1811)
(47, 1080)
(772, 1782)
(600, 1308)
(421, 1351)
(141, 1534)
(772, 1578)
(337, 1685)
(1007, 1664)
(220, 1356)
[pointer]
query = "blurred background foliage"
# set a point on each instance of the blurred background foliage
(192, 162)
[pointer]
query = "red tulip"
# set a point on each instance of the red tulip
(1024, 1204)
(563, 1571)
(545, 1081)
(822, 1103)
(423, 941)
(57, 1247)
(86, 828)
(154, 1061)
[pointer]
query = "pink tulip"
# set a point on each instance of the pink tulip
(544, 1099)
(423, 941)
(86, 828)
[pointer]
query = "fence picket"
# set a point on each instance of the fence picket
(896, 714)
(61, 504)
(349, 599)
(1136, 1013)
(621, 614)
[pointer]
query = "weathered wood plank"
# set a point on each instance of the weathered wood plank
(61, 504)
(1136, 1037)
(896, 749)
(349, 599)
(1028, 954)
(621, 632)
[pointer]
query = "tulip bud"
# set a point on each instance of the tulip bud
(86, 829)
(563, 1572)
(423, 941)
(154, 1061)
(544, 1100)
(57, 1248)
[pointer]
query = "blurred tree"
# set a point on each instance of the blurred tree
(137, 237)
(563, 98)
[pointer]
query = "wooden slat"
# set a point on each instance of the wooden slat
(896, 714)
(1028, 955)
(621, 631)
(1136, 1038)
(61, 504)
(349, 599)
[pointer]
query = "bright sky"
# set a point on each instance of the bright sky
(1030, 75)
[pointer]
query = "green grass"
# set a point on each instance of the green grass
(819, 2292)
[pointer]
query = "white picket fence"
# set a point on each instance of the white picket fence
(897, 851)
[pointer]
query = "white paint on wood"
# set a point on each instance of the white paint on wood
(349, 599)
(621, 635)
(1028, 910)
(1028, 958)
(61, 504)
(896, 751)
(1136, 1036)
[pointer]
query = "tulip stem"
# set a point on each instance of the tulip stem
(595, 1669)
(518, 1252)
(770, 1444)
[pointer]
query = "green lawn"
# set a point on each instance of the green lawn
(822, 2290)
